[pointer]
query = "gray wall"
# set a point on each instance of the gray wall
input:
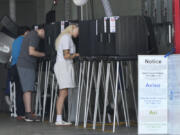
(4, 7)
(126, 7)
(119, 8)
(31, 12)
(25, 11)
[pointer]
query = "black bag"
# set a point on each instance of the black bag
(51, 17)
(9, 27)
(51, 33)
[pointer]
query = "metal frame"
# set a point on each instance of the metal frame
(13, 99)
(46, 88)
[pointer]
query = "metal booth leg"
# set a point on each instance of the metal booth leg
(52, 97)
(115, 100)
(125, 94)
(106, 94)
(81, 80)
(87, 91)
(46, 87)
(97, 94)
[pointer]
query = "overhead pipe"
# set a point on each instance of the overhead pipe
(12, 9)
(107, 8)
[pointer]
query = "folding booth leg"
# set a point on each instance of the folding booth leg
(99, 112)
(133, 89)
(125, 94)
(45, 81)
(70, 105)
(81, 76)
(115, 99)
(37, 91)
(71, 110)
(87, 91)
(113, 83)
(106, 94)
(70, 95)
(54, 103)
(81, 91)
(45, 85)
(11, 98)
(52, 96)
(79, 85)
(46, 88)
(104, 87)
(123, 102)
(97, 94)
(15, 114)
(93, 77)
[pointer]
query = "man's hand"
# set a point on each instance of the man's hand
(33, 52)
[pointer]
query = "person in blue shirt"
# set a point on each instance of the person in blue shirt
(16, 47)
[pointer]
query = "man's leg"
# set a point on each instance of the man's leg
(19, 94)
(27, 79)
(29, 117)
(27, 101)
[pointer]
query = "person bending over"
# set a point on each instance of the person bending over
(26, 66)
(64, 68)
(16, 47)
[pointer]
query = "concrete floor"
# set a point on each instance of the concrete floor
(9, 126)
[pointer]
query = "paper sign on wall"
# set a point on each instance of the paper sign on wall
(153, 95)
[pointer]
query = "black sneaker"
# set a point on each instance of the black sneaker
(38, 118)
(29, 117)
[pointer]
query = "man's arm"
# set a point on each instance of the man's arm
(33, 52)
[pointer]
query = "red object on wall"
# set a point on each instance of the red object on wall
(176, 13)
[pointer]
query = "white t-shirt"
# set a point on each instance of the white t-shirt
(65, 43)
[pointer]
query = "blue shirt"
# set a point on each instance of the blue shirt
(16, 47)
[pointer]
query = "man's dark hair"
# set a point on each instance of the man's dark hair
(23, 29)
(41, 26)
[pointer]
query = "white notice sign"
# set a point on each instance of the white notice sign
(112, 24)
(153, 94)
(174, 94)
